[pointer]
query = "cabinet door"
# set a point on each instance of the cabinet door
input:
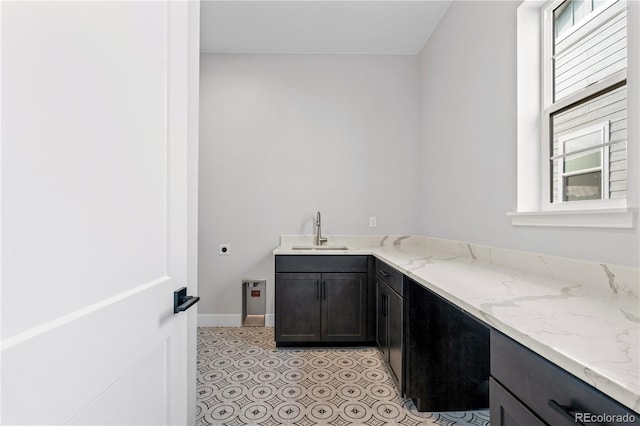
(447, 354)
(556, 396)
(395, 331)
(381, 318)
(506, 410)
(344, 307)
(297, 303)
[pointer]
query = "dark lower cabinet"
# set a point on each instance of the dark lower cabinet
(382, 322)
(447, 354)
(506, 410)
(343, 307)
(389, 335)
(395, 313)
(328, 307)
(439, 355)
(322, 306)
(525, 386)
(298, 307)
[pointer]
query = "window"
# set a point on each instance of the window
(572, 13)
(585, 113)
(581, 164)
(578, 110)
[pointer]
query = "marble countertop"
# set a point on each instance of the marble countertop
(582, 316)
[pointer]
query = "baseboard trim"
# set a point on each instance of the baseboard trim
(231, 320)
(208, 320)
(269, 320)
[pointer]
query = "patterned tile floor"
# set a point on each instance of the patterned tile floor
(243, 379)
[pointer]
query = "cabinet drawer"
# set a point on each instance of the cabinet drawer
(506, 410)
(555, 395)
(390, 276)
(321, 263)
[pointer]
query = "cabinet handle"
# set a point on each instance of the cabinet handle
(565, 410)
(384, 305)
(324, 290)
(383, 273)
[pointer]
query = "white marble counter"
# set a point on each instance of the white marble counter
(582, 316)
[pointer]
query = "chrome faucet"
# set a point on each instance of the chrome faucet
(319, 238)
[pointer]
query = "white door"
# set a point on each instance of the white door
(94, 219)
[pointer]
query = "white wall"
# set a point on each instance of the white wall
(285, 135)
(468, 118)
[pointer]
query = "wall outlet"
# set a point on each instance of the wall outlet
(372, 222)
(224, 249)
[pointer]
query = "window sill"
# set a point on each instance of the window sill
(623, 218)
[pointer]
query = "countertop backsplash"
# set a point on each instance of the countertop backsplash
(599, 277)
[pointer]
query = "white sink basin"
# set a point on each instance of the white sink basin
(320, 248)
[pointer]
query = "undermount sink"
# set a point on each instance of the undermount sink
(320, 248)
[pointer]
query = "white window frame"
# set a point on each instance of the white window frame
(603, 130)
(595, 12)
(550, 107)
(533, 163)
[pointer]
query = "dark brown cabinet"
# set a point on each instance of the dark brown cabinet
(343, 307)
(329, 305)
(526, 388)
(390, 320)
(440, 356)
(506, 410)
(447, 354)
(297, 316)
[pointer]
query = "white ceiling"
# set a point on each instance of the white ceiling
(367, 27)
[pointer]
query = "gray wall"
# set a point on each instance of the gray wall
(468, 119)
(282, 136)
(427, 144)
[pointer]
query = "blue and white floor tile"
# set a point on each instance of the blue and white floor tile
(243, 379)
